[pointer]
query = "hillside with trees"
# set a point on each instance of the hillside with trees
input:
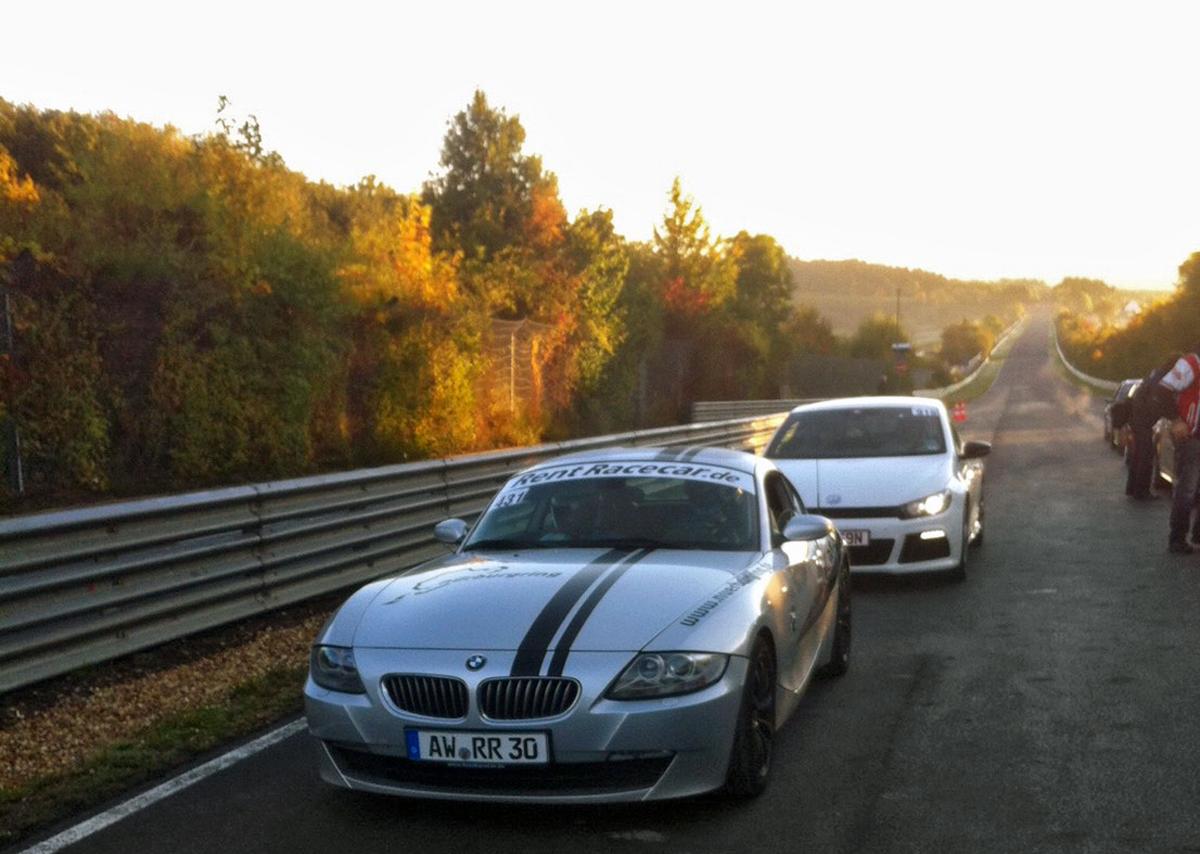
(849, 292)
(188, 311)
(1115, 334)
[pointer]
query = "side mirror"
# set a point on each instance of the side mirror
(807, 528)
(450, 531)
(974, 450)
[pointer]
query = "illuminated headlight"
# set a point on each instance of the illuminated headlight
(930, 505)
(665, 674)
(333, 667)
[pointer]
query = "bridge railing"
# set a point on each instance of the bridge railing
(80, 587)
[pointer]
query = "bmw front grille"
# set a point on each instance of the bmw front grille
(431, 696)
(527, 697)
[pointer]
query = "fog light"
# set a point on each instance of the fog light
(933, 535)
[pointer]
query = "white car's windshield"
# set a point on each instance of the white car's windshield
(869, 431)
(623, 511)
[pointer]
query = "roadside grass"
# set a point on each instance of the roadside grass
(150, 753)
(977, 387)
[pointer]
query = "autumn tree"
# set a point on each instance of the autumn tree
(597, 261)
(875, 336)
(964, 340)
(1189, 275)
(1085, 296)
(696, 274)
(523, 258)
(410, 382)
(490, 195)
(805, 330)
(763, 286)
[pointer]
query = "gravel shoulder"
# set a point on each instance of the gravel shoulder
(73, 742)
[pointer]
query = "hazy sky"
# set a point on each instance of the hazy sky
(972, 139)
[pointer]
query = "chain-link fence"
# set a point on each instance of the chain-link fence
(515, 352)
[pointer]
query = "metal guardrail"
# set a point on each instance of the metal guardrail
(721, 410)
(80, 587)
(1095, 382)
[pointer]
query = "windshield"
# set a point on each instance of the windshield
(879, 431)
(707, 508)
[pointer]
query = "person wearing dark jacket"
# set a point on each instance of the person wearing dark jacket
(1184, 380)
(1148, 403)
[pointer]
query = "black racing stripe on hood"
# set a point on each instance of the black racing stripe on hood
(559, 659)
(537, 640)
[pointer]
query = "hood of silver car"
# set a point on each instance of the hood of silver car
(589, 599)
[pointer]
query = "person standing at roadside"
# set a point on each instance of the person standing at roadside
(1149, 402)
(1184, 380)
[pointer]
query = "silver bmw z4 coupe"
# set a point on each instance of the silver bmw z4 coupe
(618, 625)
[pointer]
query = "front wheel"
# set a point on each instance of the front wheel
(753, 739)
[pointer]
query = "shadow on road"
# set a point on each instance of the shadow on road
(898, 585)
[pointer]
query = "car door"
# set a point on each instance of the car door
(807, 574)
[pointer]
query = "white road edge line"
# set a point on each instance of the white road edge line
(164, 790)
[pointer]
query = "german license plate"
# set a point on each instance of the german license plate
(857, 537)
(490, 748)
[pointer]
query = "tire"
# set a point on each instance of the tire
(754, 736)
(839, 656)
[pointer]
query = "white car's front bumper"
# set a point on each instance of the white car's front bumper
(907, 545)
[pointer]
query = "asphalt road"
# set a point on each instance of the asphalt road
(1047, 703)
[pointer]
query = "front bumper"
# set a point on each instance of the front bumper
(601, 750)
(900, 546)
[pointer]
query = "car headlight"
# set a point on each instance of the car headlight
(930, 505)
(665, 674)
(333, 667)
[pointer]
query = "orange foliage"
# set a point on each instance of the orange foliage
(394, 260)
(683, 300)
(547, 218)
(14, 189)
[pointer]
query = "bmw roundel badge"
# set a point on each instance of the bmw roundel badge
(476, 662)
